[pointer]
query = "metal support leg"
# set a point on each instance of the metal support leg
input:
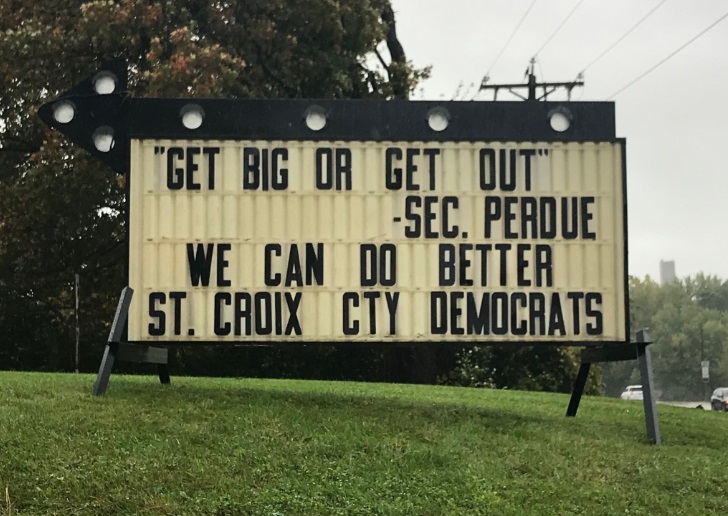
(107, 365)
(112, 346)
(163, 370)
(648, 388)
(616, 353)
(579, 385)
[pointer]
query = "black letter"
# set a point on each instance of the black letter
(350, 328)
(464, 264)
(210, 152)
(502, 250)
(175, 176)
(222, 264)
(393, 175)
(529, 217)
(392, 302)
(438, 307)
(455, 313)
(387, 265)
(522, 264)
(510, 216)
(324, 181)
(492, 212)
(177, 298)
(544, 265)
(200, 263)
(556, 316)
(372, 297)
(487, 178)
(518, 326)
(576, 310)
(591, 311)
(251, 168)
(242, 313)
(411, 168)
(158, 328)
(280, 176)
(508, 181)
(343, 167)
(449, 232)
(431, 153)
(293, 272)
(548, 217)
(528, 154)
(586, 216)
(368, 264)
(293, 302)
(536, 313)
(271, 280)
(221, 329)
(499, 314)
(192, 168)
(478, 318)
(415, 230)
(483, 249)
(315, 264)
(447, 265)
(566, 232)
(263, 313)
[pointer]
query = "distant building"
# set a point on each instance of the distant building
(667, 271)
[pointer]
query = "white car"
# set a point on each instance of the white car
(719, 399)
(632, 392)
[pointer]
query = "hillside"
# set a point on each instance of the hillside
(241, 446)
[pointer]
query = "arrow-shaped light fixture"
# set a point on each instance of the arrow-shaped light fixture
(101, 116)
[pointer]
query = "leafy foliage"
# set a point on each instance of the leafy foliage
(688, 323)
(538, 368)
(62, 213)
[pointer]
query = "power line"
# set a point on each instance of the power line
(618, 41)
(559, 27)
(510, 38)
(716, 22)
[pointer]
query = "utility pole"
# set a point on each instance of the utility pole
(78, 328)
(704, 367)
(532, 85)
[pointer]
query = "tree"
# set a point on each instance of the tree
(708, 291)
(61, 212)
(537, 368)
(688, 323)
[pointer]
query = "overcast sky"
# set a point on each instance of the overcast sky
(674, 119)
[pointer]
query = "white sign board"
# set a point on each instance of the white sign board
(251, 241)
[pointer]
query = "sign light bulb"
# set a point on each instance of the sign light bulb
(438, 119)
(104, 83)
(64, 111)
(192, 116)
(559, 122)
(103, 138)
(316, 118)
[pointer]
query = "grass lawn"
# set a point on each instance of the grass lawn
(243, 446)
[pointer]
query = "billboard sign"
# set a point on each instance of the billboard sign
(337, 221)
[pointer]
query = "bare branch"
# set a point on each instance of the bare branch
(384, 63)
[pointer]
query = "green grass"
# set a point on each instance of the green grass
(241, 446)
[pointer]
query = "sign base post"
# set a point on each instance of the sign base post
(634, 351)
(117, 350)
